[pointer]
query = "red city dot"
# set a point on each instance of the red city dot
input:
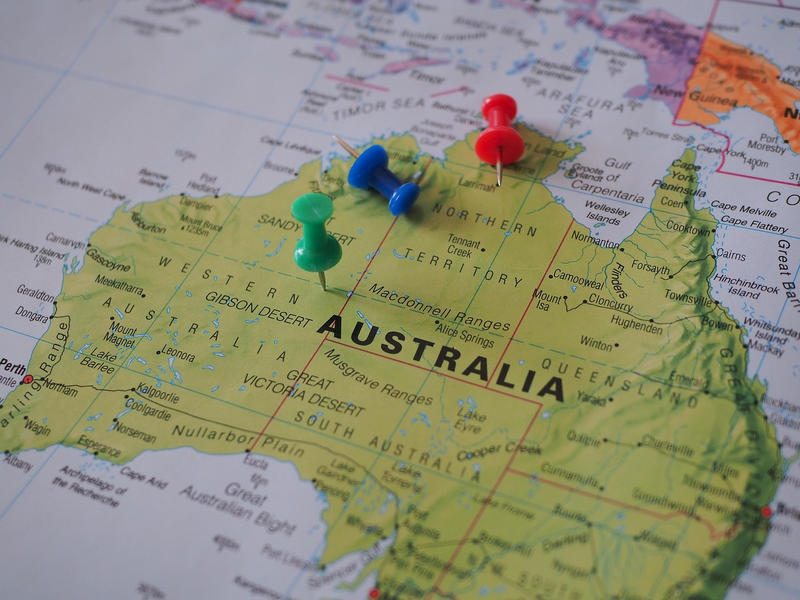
(27, 379)
(374, 593)
(766, 511)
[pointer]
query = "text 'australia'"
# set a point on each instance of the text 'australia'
(447, 358)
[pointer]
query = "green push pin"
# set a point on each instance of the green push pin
(317, 250)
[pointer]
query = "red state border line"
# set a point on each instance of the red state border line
(325, 338)
(513, 456)
(713, 533)
(440, 373)
(346, 302)
(533, 297)
(675, 123)
(478, 516)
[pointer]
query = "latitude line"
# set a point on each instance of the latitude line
(446, 568)
(64, 74)
(319, 346)
(233, 208)
(530, 302)
(651, 513)
(430, 371)
(479, 514)
(723, 446)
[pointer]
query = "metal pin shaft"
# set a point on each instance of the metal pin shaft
(346, 146)
(499, 166)
(419, 174)
(322, 281)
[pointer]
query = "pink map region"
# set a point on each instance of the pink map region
(403, 65)
(667, 44)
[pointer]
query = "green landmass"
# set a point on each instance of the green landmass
(520, 406)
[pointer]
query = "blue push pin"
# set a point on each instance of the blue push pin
(370, 171)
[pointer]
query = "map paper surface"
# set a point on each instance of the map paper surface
(581, 384)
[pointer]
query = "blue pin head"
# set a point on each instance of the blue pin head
(372, 159)
(370, 170)
(403, 198)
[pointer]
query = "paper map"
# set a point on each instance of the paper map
(581, 384)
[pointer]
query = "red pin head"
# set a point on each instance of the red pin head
(499, 144)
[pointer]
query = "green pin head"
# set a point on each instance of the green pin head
(317, 250)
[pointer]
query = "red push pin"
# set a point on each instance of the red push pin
(499, 144)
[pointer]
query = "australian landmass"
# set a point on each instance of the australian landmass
(514, 403)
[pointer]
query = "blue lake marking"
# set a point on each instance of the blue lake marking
(119, 416)
(523, 64)
(360, 314)
(422, 417)
(280, 245)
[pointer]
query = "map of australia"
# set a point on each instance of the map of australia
(581, 406)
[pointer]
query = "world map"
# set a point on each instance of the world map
(579, 384)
